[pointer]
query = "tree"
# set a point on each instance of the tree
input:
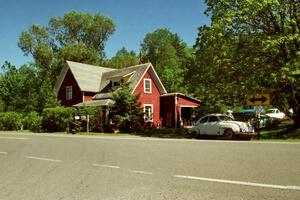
(126, 111)
(168, 53)
(23, 91)
(123, 58)
(75, 36)
(252, 46)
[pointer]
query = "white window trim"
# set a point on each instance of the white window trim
(147, 79)
(151, 105)
(71, 96)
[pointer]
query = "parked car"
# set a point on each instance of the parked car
(275, 113)
(249, 116)
(221, 125)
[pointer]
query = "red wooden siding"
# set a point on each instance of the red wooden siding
(77, 94)
(167, 111)
(184, 102)
(170, 114)
(88, 96)
(150, 98)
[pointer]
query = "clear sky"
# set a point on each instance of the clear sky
(133, 19)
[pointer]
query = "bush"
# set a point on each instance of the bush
(57, 119)
(34, 122)
(96, 118)
(11, 121)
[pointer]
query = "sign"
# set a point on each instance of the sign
(258, 109)
(258, 99)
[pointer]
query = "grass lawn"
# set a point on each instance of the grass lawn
(79, 133)
(284, 132)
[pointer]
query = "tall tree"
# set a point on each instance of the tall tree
(255, 48)
(22, 90)
(168, 53)
(126, 110)
(75, 36)
(122, 59)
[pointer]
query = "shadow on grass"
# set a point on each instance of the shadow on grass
(180, 133)
(281, 132)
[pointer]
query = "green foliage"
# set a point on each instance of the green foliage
(34, 122)
(96, 118)
(23, 90)
(122, 59)
(11, 121)
(76, 36)
(126, 110)
(169, 54)
(250, 47)
(57, 119)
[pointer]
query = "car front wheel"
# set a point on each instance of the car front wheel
(228, 134)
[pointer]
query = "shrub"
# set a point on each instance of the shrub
(57, 119)
(11, 121)
(34, 122)
(126, 111)
(96, 118)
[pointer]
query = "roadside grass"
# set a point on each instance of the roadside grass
(102, 134)
(284, 132)
(66, 133)
(176, 133)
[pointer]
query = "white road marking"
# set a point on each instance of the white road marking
(140, 172)
(106, 166)
(3, 152)
(44, 159)
(239, 182)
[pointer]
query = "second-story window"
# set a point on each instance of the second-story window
(147, 86)
(69, 93)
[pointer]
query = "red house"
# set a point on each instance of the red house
(87, 85)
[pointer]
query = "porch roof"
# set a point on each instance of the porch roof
(102, 102)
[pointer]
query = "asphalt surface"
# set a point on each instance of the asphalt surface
(46, 167)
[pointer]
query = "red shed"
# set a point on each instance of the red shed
(177, 109)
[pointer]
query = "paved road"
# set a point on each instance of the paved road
(55, 167)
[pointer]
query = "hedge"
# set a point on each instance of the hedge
(11, 121)
(58, 119)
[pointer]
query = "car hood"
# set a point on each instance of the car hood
(242, 125)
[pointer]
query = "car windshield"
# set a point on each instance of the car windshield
(270, 111)
(225, 118)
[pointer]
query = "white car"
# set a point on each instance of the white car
(275, 113)
(221, 125)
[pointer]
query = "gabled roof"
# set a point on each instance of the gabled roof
(88, 77)
(96, 79)
(135, 74)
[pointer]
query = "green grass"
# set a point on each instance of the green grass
(284, 132)
(79, 133)
(103, 134)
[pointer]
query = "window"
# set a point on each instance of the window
(203, 120)
(147, 86)
(148, 113)
(69, 93)
(116, 84)
(213, 119)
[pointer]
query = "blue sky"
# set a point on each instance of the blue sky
(133, 19)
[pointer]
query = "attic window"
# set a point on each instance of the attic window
(69, 93)
(116, 84)
(147, 86)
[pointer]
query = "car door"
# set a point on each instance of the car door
(202, 126)
(213, 125)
